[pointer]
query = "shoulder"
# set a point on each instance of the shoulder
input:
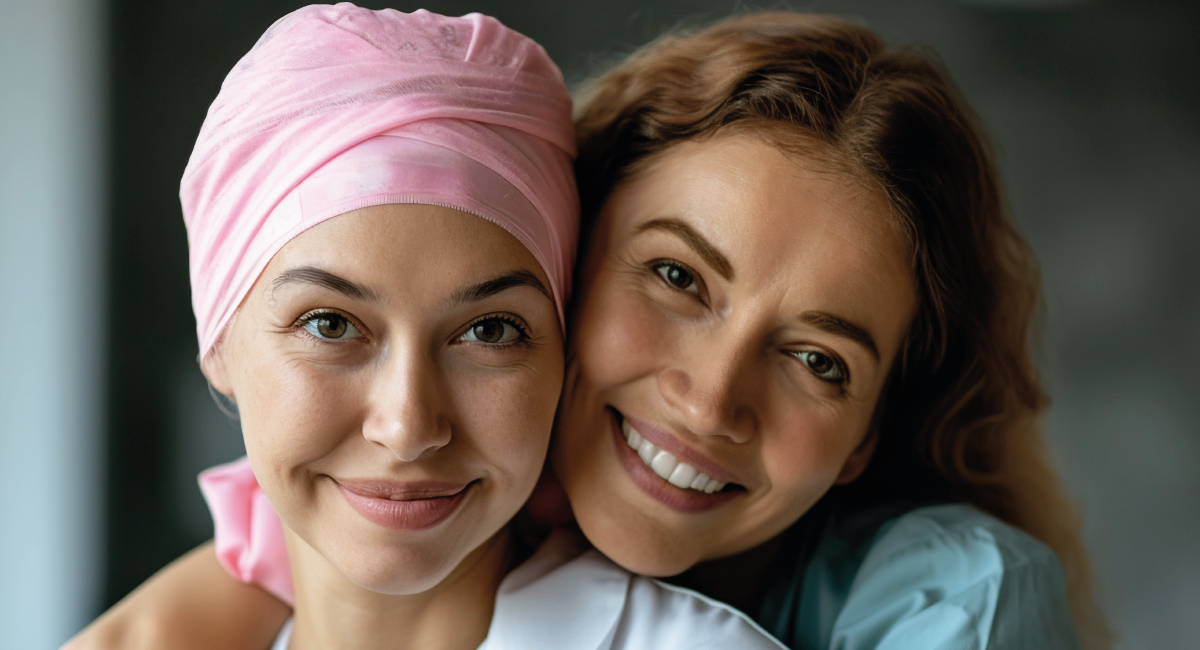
(565, 599)
(955, 546)
(953, 576)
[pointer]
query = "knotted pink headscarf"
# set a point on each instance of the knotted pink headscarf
(338, 108)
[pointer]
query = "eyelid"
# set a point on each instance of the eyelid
(512, 319)
(308, 316)
(701, 291)
(837, 360)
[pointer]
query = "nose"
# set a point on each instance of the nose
(408, 407)
(711, 385)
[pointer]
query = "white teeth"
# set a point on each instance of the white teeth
(631, 436)
(647, 451)
(663, 464)
(682, 476)
(666, 466)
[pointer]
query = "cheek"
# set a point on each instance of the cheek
(508, 417)
(619, 334)
(804, 458)
(293, 414)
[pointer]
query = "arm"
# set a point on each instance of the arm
(192, 603)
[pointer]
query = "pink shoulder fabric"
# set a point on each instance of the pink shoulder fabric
(249, 535)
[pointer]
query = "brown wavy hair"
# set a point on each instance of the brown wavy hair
(959, 418)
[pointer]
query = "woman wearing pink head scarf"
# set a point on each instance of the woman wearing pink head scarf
(381, 218)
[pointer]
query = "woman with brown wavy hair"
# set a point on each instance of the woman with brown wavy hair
(957, 419)
(799, 375)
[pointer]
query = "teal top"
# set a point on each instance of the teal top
(944, 577)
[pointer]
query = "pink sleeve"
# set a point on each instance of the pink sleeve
(249, 535)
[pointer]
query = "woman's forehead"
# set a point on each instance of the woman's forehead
(749, 198)
(395, 248)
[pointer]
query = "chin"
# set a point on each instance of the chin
(398, 572)
(636, 546)
(650, 565)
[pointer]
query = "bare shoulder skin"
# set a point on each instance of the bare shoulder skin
(191, 603)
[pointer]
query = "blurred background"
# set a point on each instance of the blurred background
(1094, 106)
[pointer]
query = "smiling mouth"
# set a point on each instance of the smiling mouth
(402, 507)
(666, 466)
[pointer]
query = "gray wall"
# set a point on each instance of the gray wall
(1094, 106)
(51, 293)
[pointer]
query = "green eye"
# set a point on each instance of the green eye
(677, 276)
(334, 327)
(822, 365)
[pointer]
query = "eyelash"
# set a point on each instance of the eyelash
(838, 363)
(308, 317)
(523, 334)
(655, 265)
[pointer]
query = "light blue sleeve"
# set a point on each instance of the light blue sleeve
(950, 577)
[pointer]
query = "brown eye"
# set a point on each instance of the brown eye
(492, 331)
(489, 331)
(677, 276)
(822, 365)
(331, 326)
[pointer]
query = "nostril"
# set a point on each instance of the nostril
(674, 382)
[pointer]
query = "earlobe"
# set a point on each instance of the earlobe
(859, 458)
(214, 369)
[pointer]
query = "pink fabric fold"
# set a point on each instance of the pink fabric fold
(248, 533)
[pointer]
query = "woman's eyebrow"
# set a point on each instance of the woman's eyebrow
(841, 327)
(481, 290)
(695, 240)
(322, 278)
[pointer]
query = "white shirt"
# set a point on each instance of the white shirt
(560, 599)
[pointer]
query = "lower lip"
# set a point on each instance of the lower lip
(413, 514)
(675, 498)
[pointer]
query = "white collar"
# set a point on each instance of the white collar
(559, 598)
(563, 597)
(541, 606)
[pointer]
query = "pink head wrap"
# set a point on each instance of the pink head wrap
(338, 108)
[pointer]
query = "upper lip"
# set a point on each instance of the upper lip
(377, 488)
(667, 441)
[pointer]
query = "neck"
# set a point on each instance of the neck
(331, 611)
(739, 580)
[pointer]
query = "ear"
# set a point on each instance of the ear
(214, 369)
(859, 458)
